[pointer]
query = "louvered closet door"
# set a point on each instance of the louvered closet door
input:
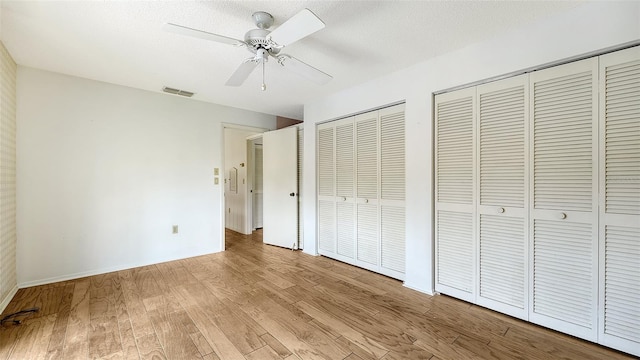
(502, 150)
(454, 163)
(367, 218)
(564, 167)
(345, 201)
(326, 189)
(620, 200)
(392, 191)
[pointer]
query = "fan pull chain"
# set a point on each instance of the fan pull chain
(264, 86)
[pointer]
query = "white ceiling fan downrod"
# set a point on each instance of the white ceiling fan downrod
(264, 86)
(262, 55)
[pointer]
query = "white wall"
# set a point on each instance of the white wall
(235, 153)
(104, 171)
(587, 28)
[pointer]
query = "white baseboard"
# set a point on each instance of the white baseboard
(310, 252)
(424, 291)
(82, 274)
(8, 298)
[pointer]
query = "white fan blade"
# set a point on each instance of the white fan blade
(300, 25)
(183, 30)
(305, 70)
(242, 73)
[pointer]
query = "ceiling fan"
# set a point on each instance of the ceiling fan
(264, 43)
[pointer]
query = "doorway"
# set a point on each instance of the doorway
(243, 181)
(254, 148)
(236, 213)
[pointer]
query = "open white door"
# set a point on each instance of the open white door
(280, 187)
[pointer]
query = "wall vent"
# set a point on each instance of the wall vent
(177, 91)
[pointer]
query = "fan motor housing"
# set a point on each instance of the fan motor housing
(257, 39)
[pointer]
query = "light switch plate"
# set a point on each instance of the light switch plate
(216, 171)
(216, 181)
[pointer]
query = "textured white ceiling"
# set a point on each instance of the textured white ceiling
(122, 42)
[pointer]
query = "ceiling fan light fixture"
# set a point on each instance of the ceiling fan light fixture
(262, 55)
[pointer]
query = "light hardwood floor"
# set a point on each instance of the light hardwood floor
(257, 302)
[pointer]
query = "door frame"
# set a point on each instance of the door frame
(251, 152)
(223, 127)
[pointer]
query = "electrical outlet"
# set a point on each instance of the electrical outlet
(175, 229)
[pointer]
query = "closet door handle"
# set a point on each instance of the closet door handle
(344, 198)
(366, 201)
(563, 216)
(501, 210)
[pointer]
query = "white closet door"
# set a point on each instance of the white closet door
(455, 196)
(564, 270)
(361, 186)
(326, 189)
(392, 191)
(502, 150)
(620, 200)
(367, 224)
(345, 201)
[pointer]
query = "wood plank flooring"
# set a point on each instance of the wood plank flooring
(258, 302)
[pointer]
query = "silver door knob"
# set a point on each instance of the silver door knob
(292, 194)
(563, 216)
(501, 210)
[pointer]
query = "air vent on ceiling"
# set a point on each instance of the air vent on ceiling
(177, 91)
